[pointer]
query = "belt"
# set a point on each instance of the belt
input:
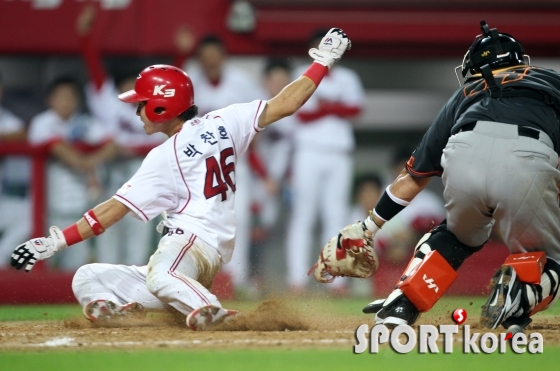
(522, 131)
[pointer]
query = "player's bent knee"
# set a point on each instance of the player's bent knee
(433, 269)
(83, 274)
(451, 249)
(156, 281)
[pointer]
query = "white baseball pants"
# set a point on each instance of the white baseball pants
(179, 274)
(238, 267)
(321, 183)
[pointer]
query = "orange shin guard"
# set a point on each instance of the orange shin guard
(528, 266)
(428, 281)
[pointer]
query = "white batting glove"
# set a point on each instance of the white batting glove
(36, 249)
(331, 47)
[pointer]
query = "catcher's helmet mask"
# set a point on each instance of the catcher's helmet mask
(498, 50)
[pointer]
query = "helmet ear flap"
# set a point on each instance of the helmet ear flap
(156, 112)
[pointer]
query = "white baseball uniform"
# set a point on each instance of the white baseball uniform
(15, 208)
(129, 241)
(276, 147)
(235, 86)
(67, 189)
(322, 171)
(191, 178)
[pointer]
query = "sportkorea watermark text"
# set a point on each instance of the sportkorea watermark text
(435, 339)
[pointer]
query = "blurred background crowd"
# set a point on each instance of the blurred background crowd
(63, 63)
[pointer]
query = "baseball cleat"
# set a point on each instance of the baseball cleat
(209, 316)
(399, 311)
(505, 304)
(374, 307)
(106, 310)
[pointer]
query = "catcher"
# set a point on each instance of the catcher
(495, 144)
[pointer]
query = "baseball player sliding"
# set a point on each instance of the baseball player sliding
(190, 178)
(495, 144)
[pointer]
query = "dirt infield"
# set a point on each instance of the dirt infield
(273, 324)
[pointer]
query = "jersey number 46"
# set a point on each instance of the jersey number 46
(220, 172)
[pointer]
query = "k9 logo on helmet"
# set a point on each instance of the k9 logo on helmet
(167, 93)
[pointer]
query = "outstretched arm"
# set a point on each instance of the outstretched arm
(107, 213)
(90, 53)
(92, 224)
(288, 101)
(293, 96)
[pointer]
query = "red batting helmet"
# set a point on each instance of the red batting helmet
(167, 91)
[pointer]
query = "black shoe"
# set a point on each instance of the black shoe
(374, 306)
(400, 311)
(505, 306)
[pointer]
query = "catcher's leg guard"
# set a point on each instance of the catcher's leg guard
(540, 297)
(513, 300)
(425, 284)
(429, 274)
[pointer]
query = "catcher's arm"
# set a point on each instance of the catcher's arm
(351, 253)
(405, 187)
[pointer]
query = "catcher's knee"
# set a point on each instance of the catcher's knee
(433, 268)
(446, 243)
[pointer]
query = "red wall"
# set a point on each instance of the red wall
(145, 27)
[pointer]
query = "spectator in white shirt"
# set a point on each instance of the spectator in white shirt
(79, 144)
(15, 208)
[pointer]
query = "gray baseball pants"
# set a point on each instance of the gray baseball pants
(492, 174)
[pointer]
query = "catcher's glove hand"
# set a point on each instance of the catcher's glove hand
(331, 48)
(349, 254)
(27, 254)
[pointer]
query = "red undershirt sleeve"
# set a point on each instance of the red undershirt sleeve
(256, 163)
(330, 108)
(93, 61)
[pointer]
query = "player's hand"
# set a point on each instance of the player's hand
(26, 254)
(331, 47)
(271, 187)
(349, 254)
(85, 20)
(356, 232)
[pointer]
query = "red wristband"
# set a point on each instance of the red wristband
(316, 72)
(93, 222)
(72, 235)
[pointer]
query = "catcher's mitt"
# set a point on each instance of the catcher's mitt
(349, 254)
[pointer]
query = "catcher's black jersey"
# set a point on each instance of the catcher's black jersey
(472, 103)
